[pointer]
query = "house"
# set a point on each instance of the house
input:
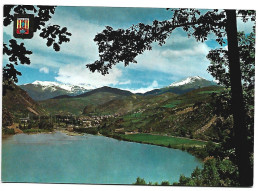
(25, 119)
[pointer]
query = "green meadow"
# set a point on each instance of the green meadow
(163, 140)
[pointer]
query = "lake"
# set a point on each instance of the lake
(59, 158)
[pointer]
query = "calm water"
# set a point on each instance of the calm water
(59, 158)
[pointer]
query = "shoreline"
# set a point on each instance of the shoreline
(120, 138)
(160, 145)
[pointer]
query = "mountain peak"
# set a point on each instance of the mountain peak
(44, 83)
(41, 90)
(106, 89)
(187, 81)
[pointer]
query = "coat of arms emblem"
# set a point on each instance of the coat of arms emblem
(23, 26)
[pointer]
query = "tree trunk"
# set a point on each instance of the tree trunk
(238, 109)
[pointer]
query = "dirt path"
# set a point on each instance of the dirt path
(186, 110)
(205, 127)
(15, 127)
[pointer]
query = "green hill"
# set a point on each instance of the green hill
(127, 104)
(18, 103)
(178, 115)
(189, 115)
(107, 90)
(75, 105)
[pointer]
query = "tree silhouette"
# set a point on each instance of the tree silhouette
(17, 53)
(124, 45)
(217, 68)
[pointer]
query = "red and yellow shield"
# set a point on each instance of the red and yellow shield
(22, 26)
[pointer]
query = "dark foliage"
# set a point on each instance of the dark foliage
(140, 181)
(54, 34)
(214, 173)
(124, 45)
(50, 32)
(223, 102)
(7, 131)
(45, 124)
(17, 54)
(7, 118)
(92, 130)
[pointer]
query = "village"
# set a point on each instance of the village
(72, 123)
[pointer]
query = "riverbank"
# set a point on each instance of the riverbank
(194, 147)
(69, 133)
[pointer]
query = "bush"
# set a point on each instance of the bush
(45, 125)
(165, 183)
(214, 173)
(92, 130)
(35, 130)
(140, 181)
(7, 131)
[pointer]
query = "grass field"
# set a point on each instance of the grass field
(173, 104)
(174, 142)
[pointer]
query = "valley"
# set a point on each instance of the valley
(181, 110)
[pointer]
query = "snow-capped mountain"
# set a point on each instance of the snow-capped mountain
(188, 80)
(55, 86)
(183, 86)
(42, 90)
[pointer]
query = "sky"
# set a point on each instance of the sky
(179, 58)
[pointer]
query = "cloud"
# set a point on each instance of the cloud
(125, 82)
(79, 74)
(44, 70)
(81, 42)
(193, 50)
(83, 32)
(187, 59)
(146, 89)
(247, 27)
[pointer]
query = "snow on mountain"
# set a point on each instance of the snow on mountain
(186, 81)
(55, 86)
(42, 90)
(44, 83)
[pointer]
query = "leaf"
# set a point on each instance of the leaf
(56, 47)
(49, 41)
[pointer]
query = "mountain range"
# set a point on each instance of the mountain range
(181, 109)
(43, 90)
(106, 100)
